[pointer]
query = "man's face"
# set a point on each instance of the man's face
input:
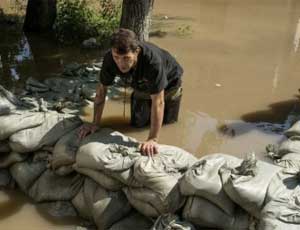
(125, 61)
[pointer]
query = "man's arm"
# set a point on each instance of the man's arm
(99, 103)
(157, 115)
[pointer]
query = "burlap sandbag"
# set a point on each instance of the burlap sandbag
(27, 172)
(171, 222)
(203, 213)
(114, 160)
(55, 126)
(203, 180)
(134, 221)
(50, 187)
(107, 207)
(247, 184)
(12, 123)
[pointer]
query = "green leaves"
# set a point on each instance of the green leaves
(77, 20)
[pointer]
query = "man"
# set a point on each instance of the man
(155, 77)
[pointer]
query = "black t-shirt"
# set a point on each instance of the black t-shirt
(156, 70)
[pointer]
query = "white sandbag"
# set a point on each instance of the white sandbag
(289, 160)
(161, 173)
(55, 126)
(13, 123)
(203, 180)
(11, 158)
(100, 178)
(50, 187)
(203, 213)
(134, 221)
(247, 184)
(4, 147)
(64, 152)
(294, 130)
(289, 146)
(114, 160)
(280, 215)
(171, 222)
(27, 172)
(107, 207)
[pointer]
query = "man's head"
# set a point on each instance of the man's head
(125, 49)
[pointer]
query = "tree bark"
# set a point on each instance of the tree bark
(40, 15)
(136, 16)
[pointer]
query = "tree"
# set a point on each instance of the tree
(136, 16)
(40, 15)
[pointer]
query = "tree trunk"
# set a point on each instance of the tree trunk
(136, 16)
(40, 15)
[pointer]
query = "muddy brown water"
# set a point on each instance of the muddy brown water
(241, 80)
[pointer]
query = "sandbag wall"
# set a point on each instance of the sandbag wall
(105, 179)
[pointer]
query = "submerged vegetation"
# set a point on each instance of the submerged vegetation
(77, 20)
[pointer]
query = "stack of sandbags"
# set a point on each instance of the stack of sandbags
(55, 125)
(247, 184)
(203, 185)
(282, 210)
(104, 207)
(159, 176)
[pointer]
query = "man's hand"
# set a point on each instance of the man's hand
(149, 147)
(86, 129)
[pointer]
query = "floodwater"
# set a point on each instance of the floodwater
(241, 80)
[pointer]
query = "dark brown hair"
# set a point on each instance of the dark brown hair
(124, 41)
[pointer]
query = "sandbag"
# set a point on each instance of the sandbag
(107, 207)
(114, 160)
(203, 213)
(144, 200)
(289, 146)
(203, 180)
(4, 147)
(293, 131)
(61, 209)
(134, 221)
(13, 123)
(64, 152)
(100, 178)
(27, 172)
(171, 222)
(55, 126)
(160, 174)
(11, 158)
(281, 214)
(50, 187)
(81, 206)
(290, 160)
(247, 184)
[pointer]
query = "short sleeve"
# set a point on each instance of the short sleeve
(157, 77)
(107, 74)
